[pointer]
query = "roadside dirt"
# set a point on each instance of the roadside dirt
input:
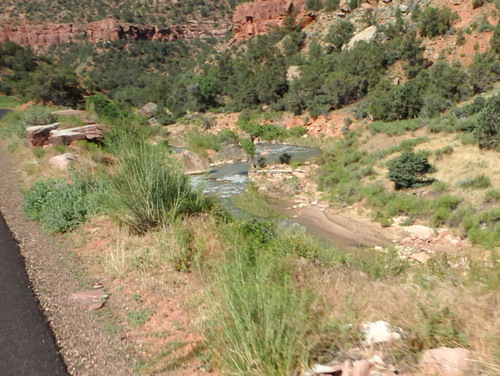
(55, 274)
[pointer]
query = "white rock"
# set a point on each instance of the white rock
(62, 161)
(366, 35)
(378, 332)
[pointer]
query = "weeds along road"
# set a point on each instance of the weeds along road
(27, 346)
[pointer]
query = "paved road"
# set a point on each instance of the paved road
(27, 346)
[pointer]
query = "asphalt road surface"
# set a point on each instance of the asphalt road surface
(27, 346)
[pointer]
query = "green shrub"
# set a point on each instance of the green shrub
(148, 189)
(39, 115)
(435, 21)
(253, 203)
(200, 142)
(395, 128)
(60, 206)
(493, 195)
(228, 136)
(479, 182)
(410, 169)
(487, 131)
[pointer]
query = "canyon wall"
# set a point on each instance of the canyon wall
(261, 16)
(44, 35)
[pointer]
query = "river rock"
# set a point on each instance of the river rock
(194, 163)
(62, 161)
(445, 361)
(38, 135)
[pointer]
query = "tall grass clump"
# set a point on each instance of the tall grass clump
(261, 319)
(148, 188)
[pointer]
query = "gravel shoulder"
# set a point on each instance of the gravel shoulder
(55, 274)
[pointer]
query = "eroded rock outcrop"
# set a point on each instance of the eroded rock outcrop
(109, 29)
(261, 16)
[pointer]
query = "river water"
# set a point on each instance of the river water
(232, 179)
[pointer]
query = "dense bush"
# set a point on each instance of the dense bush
(410, 170)
(434, 21)
(60, 206)
(488, 124)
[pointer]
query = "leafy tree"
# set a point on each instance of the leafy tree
(331, 5)
(54, 84)
(249, 148)
(434, 21)
(410, 170)
(487, 131)
(314, 5)
(340, 33)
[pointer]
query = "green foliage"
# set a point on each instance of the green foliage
(228, 136)
(267, 132)
(331, 5)
(429, 93)
(395, 128)
(340, 33)
(39, 115)
(478, 182)
(409, 170)
(249, 148)
(492, 195)
(483, 228)
(201, 142)
(434, 21)
(487, 131)
(60, 206)
(52, 84)
(139, 317)
(149, 189)
(314, 5)
(436, 327)
(254, 203)
(495, 40)
(259, 312)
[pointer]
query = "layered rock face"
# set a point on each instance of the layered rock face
(106, 30)
(261, 16)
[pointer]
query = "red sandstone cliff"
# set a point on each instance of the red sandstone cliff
(261, 16)
(106, 30)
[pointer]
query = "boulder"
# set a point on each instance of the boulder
(38, 135)
(67, 136)
(366, 35)
(379, 332)
(420, 232)
(62, 161)
(194, 163)
(445, 361)
(149, 109)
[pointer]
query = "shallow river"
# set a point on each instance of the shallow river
(232, 179)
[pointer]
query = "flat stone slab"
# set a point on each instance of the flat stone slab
(92, 300)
